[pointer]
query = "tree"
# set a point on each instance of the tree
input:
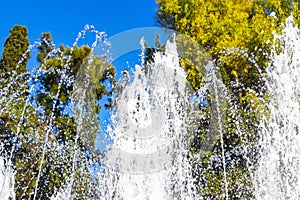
(14, 75)
(239, 37)
(70, 82)
(16, 53)
(60, 69)
(239, 34)
(19, 127)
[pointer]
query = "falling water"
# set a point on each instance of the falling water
(278, 172)
(219, 92)
(6, 182)
(148, 158)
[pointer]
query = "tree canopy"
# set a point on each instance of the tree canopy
(239, 36)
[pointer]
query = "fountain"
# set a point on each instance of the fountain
(149, 154)
(153, 117)
(278, 171)
(6, 181)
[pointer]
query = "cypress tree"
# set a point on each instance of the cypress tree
(13, 83)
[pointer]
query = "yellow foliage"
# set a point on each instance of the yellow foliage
(225, 28)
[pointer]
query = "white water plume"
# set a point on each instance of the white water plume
(6, 182)
(278, 171)
(148, 159)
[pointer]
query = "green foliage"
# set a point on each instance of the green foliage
(13, 83)
(15, 54)
(46, 133)
(19, 129)
(70, 78)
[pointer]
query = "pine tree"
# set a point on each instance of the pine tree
(70, 84)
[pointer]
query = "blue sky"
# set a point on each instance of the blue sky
(65, 18)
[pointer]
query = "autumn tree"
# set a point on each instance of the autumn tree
(238, 35)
